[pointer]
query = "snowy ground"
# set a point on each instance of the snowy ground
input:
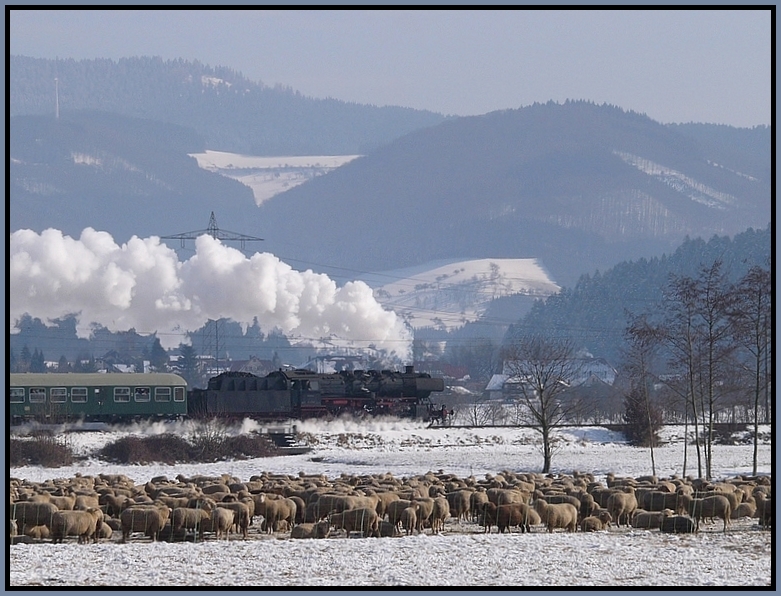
(461, 556)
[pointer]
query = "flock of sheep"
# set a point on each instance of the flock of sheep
(312, 506)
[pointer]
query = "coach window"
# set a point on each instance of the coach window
(37, 395)
(141, 394)
(58, 395)
(162, 394)
(79, 395)
(17, 395)
(122, 394)
(178, 393)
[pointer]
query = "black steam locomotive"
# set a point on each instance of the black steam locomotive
(300, 394)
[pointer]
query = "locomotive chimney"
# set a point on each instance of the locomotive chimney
(409, 369)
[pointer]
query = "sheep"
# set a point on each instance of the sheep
(558, 515)
(84, 502)
(440, 513)
(394, 510)
(149, 519)
(650, 519)
(715, 506)
(764, 508)
(424, 511)
(659, 500)
(37, 532)
(386, 529)
(621, 505)
(459, 503)
(114, 504)
(220, 522)
(28, 513)
(241, 515)
(409, 518)
(190, 519)
(746, 509)
(366, 520)
(511, 514)
(594, 523)
(678, 524)
(309, 530)
(477, 501)
(76, 523)
(103, 530)
(274, 510)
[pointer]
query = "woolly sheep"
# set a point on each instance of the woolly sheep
(149, 519)
(440, 513)
(621, 505)
(409, 518)
(76, 523)
(28, 513)
(715, 506)
(650, 519)
(190, 519)
(559, 515)
(594, 523)
(365, 520)
(309, 530)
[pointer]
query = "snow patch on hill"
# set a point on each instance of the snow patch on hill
(269, 176)
(451, 294)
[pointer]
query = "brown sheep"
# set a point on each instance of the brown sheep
(594, 523)
(394, 510)
(365, 520)
(424, 511)
(715, 506)
(76, 523)
(659, 500)
(220, 522)
(764, 508)
(745, 509)
(513, 514)
(678, 524)
(648, 520)
(103, 530)
(190, 519)
(309, 530)
(477, 501)
(275, 510)
(621, 506)
(37, 532)
(459, 503)
(149, 519)
(27, 513)
(558, 515)
(409, 518)
(440, 513)
(241, 515)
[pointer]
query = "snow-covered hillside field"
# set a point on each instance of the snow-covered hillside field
(461, 556)
(452, 294)
(268, 176)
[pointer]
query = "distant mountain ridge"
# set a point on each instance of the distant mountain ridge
(576, 184)
(230, 112)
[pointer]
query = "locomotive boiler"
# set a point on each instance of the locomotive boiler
(300, 394)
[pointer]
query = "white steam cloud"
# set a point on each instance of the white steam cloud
(143, 285)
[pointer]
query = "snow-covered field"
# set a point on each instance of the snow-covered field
(269, 176)
(461, 556)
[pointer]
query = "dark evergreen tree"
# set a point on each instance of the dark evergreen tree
(643, 420)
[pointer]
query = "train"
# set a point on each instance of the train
(281, 395)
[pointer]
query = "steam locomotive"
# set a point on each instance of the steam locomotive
(280, 395)
(300, 394)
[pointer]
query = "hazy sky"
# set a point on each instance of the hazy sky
(674, 65)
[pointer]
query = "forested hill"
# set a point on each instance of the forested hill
(593, 313)
(228, 110)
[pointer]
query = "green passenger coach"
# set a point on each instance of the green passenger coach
(108, 397)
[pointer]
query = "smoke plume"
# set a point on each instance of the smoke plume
(143, 285)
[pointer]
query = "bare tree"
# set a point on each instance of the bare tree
(752, 317)
(545, 368)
